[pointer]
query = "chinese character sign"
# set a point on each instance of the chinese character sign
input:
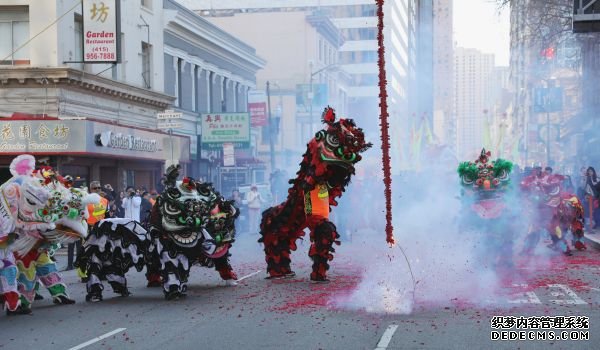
(219, 128)
(100, 36)
(39, 136)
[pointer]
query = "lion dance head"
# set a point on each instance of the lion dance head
(334, 151)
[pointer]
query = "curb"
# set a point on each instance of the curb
(593, 239)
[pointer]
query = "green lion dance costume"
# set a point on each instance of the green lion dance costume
(485, 197)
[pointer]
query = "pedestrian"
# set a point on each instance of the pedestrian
(591, 191)
(255, 202)
(582, 184)
(153, 196)
(132, 203)
(119, 204)
(568, 184)
(145, 208)
(237, 202)
(236, 198)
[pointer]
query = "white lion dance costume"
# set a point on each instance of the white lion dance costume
(39, 210)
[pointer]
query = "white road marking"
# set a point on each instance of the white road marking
(526, 297)
(250, 275)
(575, 299)
(386, 337)
(97, 339)
(592, 288)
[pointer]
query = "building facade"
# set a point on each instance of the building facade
(92, 121)
(444, 123)
(548, 57)
(473, 99)
(99, 121)
(357, 22)
(301, 49)
(209, 72)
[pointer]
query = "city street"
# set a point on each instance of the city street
(450, 145)
(294, 314)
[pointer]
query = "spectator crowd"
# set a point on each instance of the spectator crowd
(132, 203)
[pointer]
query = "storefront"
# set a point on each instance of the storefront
(93, 150)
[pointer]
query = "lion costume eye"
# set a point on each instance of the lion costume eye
(171, 209)
(332, 140)
(174, 193)
(320, 135)
(350, 157)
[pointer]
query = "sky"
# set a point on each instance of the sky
(478, 24)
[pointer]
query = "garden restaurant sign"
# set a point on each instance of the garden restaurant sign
(37, 136)
(101, 31)
(128, 142)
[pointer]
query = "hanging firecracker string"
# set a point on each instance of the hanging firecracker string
(383, 117)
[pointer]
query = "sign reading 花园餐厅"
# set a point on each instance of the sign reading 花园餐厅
(220, 128)
(55, 136)
(101, 31)
(38, 136)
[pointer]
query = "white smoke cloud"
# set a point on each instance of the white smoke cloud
(450, 265)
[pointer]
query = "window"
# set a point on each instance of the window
(320, 50)
(224, 95)
(369, 56)
(178, 82)
(367, 33)
(147, 4)
(146, 68)
(115, 68)
(78, 42)
(14, 31)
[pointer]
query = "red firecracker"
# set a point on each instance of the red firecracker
(383, 117)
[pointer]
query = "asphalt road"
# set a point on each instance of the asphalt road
(294, 314)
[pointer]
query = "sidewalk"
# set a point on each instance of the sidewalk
(592, 239)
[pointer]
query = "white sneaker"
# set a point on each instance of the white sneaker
(230, 283)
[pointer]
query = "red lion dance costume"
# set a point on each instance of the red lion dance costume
(325, 171)
(555, 210)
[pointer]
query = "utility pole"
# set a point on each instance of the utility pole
(271, 143)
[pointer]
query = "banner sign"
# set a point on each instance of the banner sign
(101, 31)
(257, 106)
(228, 154)
(220, 128)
